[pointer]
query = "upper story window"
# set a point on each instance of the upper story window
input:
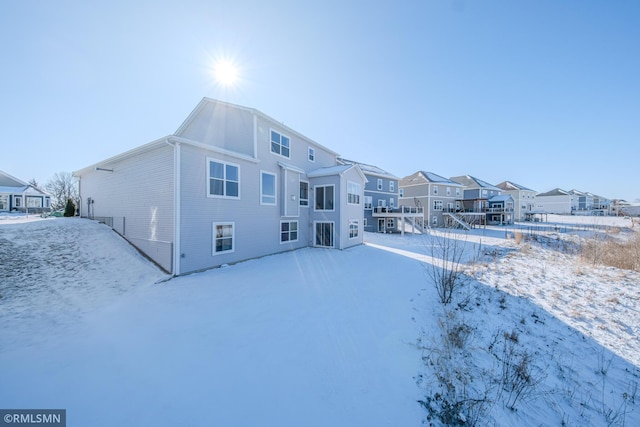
(379, 184)
(353, 193)
(267, 188)
(457, 192)
(224, 179)
(368, 202)
(392, 186)
(280, 144)
(304, 193)
(311, 153)
(435, 189)
(448, 191)
(484, 193)
(401, 192)
(324, 197)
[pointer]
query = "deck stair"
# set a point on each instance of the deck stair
(452, 220)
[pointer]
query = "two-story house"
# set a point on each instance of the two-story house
(230, 184)
(556, 201)
(19, 196)
(439, 196)
(480, 197)
(523, 199)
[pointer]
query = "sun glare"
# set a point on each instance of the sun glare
(225, 72)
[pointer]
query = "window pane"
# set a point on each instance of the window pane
(275, 137)
(216, 187)
(319, 198)
(216, 170)
(294, 235)
(285, 151)
(275, 148)
(232, 189)
(329, 198)
(232, 173)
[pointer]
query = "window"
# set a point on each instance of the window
(449, 207)
(379, 184)
(18, 201)
(288, 231)
(223, 236)
(437, 205)
(280, 144)
(435, 189)
(401, 192)
(353, 228)
(224, 179)
(267, 188)
(368, 202)
(34, 202)
(324, 234)
(392, 186)
(434, 220)
(392, 202)
(324, 198)
(448, 191)
(457, 192)
(311, 153)
(391, 223)
(484, 193)
(304, 193)
(353, 193)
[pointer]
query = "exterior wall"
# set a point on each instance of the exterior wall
(138, 195)
(351, 212)
(427, 195)
(333, 216)
(382, 197)
(561, 204)
(523, 202)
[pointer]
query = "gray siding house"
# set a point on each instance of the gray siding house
(480, 197)
(523, 199)
(19, 196)
(229, 185)
(439, 196)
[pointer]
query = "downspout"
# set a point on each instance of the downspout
(176, 206)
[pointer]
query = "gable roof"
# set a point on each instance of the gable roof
(501, 198)
(437, 179)
(510, 186)
(555, 192)
(473, 182)
(7, 180)
(336, 170)
(368, 169)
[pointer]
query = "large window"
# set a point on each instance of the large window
(288, 231)
(280, 144)
(223, 237)
(324, 198)
(354, 228)
(224, 179)
(304, 193)
(34, 202)
(353, 193)
(267, 188)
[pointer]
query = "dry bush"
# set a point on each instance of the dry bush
(518, 236)
(614, 253)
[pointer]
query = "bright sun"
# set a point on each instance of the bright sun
(226, 72)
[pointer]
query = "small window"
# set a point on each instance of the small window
(18, 201)
(304, 193)
(354, 228)
(280, 144)
(435, 189)
(353, 193)
(401, 192)
(324, 197)
(457, 192)
(434, 220)
(267, 188)
(312, 154)
(224, 179)
(392, 186)
(288, 231)
(368, 202)
(448, 191)
(379, 184)
(223, 237)
(392, 202)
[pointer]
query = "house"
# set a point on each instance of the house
(523, 199)
(382, 211)
(19, 196)
(584, 202)
(229, 185)
(556, 201)
(480, 197)
(601, 205)
(438, 195)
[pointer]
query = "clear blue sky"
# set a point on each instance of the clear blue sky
(545, 93)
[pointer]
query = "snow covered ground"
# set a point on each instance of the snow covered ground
(312, 337)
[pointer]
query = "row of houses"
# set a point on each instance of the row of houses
(233, 184)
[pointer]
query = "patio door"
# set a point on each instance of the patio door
(324, 233)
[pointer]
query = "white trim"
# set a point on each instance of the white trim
(311, 152)
(308, 192)
(289, 232)
(315, 200)
(333, 233)
(275, 189)
(358, 192)
(281, 135)
(208, 177)
(357, 223)
(214, 225)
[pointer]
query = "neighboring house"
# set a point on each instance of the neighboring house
(381, 204)
(523, 199)
(19, 196)
(230, 184)
(556, 201)
(438, 195)
(584, 202)
(480, 197)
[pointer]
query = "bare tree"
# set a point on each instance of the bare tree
(447, 267)
(62, 187)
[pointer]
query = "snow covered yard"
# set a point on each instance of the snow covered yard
(312, 337)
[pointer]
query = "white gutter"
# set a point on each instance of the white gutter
(176, 206)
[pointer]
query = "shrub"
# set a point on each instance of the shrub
(70, 208)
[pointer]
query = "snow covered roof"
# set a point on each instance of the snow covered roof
(508, 185)
(437, 179)
(24, 189)
(501, 198)
(369, 169)
(555, 192)
(473, 182)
